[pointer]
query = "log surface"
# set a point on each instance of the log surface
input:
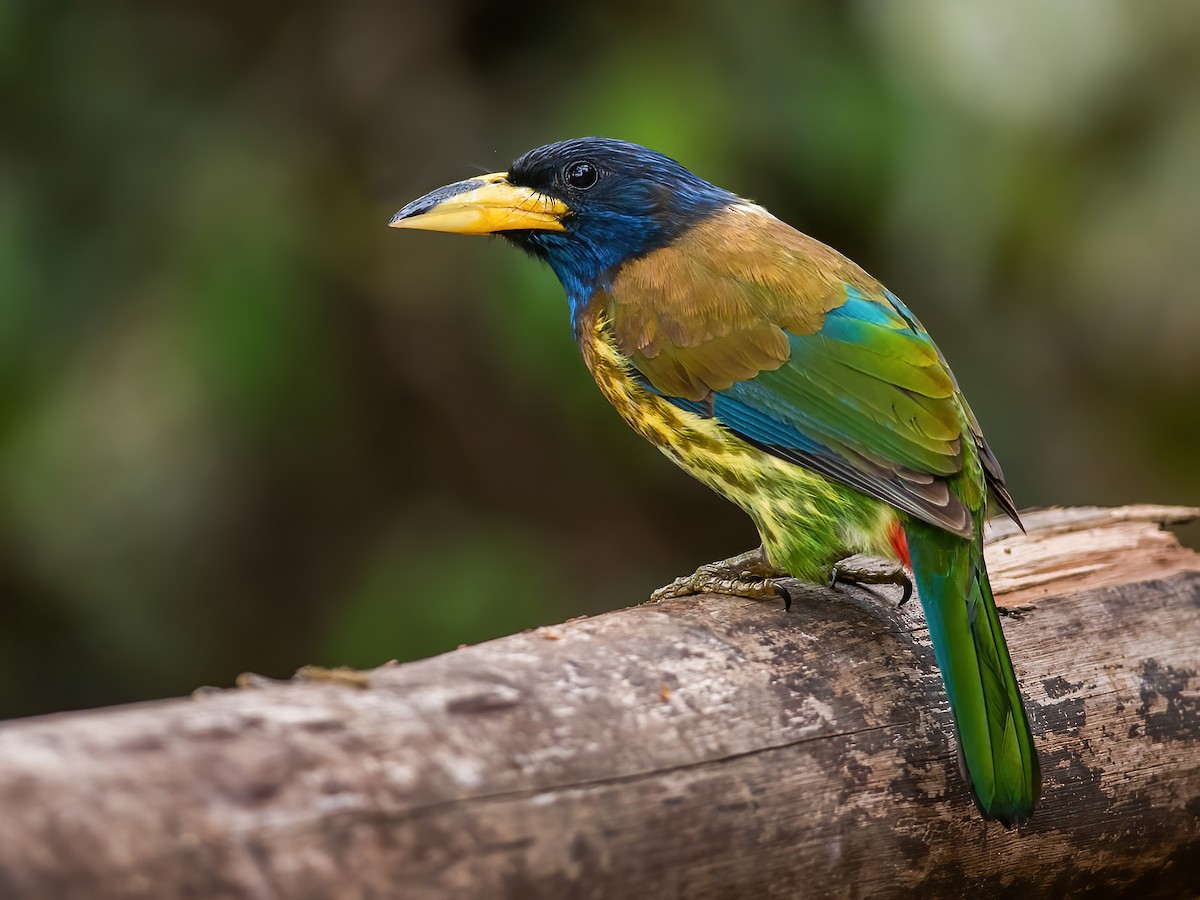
(707, 747)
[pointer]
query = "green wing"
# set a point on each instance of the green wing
(800, 352)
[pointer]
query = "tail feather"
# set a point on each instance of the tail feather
(995, 746)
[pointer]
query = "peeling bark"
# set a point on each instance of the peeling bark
(707, 747)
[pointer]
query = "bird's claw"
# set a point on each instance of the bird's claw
(747, 575)
(868, 570)
(753, 588)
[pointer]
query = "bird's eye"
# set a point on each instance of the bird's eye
(581, 175)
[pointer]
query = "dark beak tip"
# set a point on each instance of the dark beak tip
(415, 208)
(433, 198)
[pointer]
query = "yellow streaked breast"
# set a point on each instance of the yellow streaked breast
(709, 452)
(796, 510)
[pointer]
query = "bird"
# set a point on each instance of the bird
(780, 374)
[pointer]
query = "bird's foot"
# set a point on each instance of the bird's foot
(745, 575)
(869, 570)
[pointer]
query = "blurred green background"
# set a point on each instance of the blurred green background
(245, 426)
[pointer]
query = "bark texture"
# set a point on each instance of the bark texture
(708, 747)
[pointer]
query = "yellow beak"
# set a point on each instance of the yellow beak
(483, 205)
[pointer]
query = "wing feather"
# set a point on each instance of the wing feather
(801, 353)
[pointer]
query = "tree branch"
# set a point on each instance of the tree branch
(707, 747)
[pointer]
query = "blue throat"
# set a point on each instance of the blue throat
(584, 267)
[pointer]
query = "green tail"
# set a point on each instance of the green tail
(995, 748)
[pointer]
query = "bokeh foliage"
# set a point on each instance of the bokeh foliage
(245, 426)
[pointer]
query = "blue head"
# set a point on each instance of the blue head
(625, 201)
(586, 206)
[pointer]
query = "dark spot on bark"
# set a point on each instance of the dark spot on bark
(921, 757)
(1058, 686)
(515, 845)
(856, 774)
(1067, 777)
(1177, 877)
(1064, 717)
(321, 726)
(258, 790)
(220, 732)
(1180, 720)
(582, 851)
(144, 743)
(488, 700)
(915, 850)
